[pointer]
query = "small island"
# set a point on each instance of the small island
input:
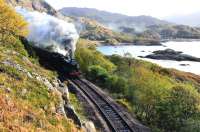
(170, 54)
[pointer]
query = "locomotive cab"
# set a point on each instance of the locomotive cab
(71, 68)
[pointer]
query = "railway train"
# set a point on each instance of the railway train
(65, 66)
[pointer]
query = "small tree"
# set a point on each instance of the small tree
(182, 105)
(12, 25)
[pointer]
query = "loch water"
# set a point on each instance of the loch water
(190, 48)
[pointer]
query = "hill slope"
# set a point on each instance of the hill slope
(38, 5)
(32, 98)
(113, 20)
(141, 26)
(29, 94)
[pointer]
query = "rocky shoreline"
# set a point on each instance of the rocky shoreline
(138, 43)
(180, 40)
(147, 43)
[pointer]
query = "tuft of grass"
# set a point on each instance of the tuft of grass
(77, 106)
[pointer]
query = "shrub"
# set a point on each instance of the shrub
(181, 105)
(88, 57)
(12, 24)
(154, 94)
(97, 73)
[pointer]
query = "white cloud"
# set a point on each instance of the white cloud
(156, 8)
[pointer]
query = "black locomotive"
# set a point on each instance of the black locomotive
(65, 66)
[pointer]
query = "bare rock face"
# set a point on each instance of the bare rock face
(63, 89)
(38, 5)
(60, 108)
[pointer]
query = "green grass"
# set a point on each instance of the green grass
(78, 106)
(37, 99)
(147, 90)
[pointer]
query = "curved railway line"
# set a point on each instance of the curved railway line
(117, 120)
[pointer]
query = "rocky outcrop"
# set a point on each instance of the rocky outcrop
(64, 107)
(170, 54)
(37, 5)
(89, 126)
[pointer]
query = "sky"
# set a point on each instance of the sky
(155, 8)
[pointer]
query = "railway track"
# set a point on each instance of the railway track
(115, 118)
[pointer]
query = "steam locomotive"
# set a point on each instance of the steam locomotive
(64, 65)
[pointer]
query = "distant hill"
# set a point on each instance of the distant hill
(191, 20)
(113, 20)
(139, 26)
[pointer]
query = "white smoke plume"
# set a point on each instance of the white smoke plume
(50, 32)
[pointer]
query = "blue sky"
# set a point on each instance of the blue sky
(155, 8)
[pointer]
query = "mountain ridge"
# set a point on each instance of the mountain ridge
(112, 19)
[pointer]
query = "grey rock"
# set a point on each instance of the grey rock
(29, 75)
(88, 126)
(170, 54)
(60, 109)
(65, 93)
(55, 83)
(47, 83)
(71, 113)
(35, 74)
(184, 64)
(8, 90)
(24, 92)
(14, 65)
(45, 107)
(39, 78)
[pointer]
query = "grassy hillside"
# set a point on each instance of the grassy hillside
(92, 30)
(26, 103)
(164, 99)
(144, 27)
(95, 31)
(29, 95)
(175, 31)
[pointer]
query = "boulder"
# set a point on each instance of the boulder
(88, 126)
(24, 92)
(8, 90)
(63, 89)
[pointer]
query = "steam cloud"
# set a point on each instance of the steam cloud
(50, 32)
